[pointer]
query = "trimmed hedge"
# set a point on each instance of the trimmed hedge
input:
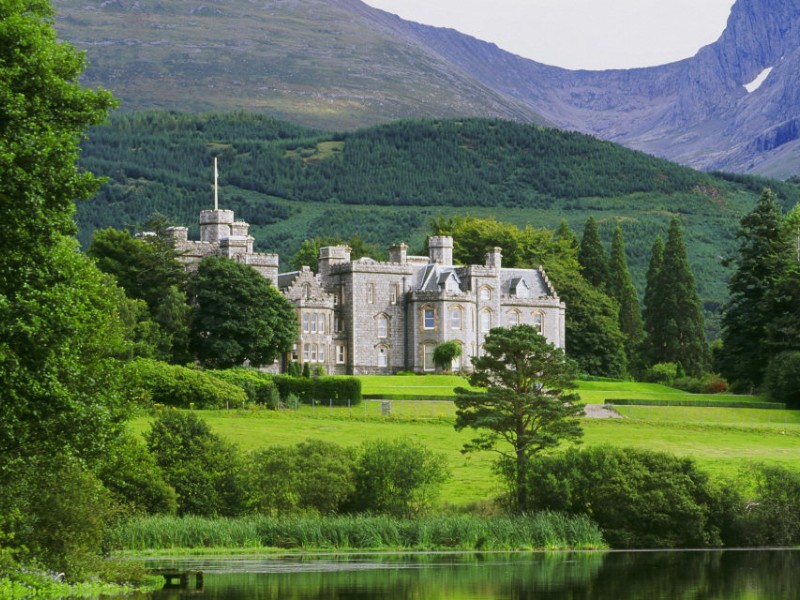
(182, 387)
(339, 390)
(259, 386)
(700, 403)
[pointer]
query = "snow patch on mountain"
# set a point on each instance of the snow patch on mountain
(756, 83)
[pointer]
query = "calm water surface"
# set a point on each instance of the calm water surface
(724, 575)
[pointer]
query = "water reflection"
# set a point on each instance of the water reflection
(729, 575)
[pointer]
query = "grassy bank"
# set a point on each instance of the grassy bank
(542, 531)
(719, 439)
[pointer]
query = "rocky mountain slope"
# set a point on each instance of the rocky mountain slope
(338, 64)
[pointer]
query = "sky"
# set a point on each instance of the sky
(579, 34)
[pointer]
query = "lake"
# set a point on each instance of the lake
(700, 575)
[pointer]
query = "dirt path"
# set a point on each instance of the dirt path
(601, 411)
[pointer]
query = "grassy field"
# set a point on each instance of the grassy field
(721, 440)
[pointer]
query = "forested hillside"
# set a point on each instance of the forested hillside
(387, 183)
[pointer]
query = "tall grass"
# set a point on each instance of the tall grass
(538, 531)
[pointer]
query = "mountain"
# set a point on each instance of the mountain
(339, 64)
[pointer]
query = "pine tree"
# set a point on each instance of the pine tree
(623, 291)
(674, 318)
(592, 257)
(747, 315)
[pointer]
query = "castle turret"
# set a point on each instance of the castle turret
(440, 250)
(330, 256)
(494, 258)
(215, 225)
(398, 253)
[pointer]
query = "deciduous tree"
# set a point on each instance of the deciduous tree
(238, 316)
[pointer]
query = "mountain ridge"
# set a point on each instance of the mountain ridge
(340, 64)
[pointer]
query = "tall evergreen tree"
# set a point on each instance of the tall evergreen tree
(623, 291)
(747, 315)
(592, 257)
(653, 269)
(674, 318)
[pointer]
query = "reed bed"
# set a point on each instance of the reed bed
(539, 531)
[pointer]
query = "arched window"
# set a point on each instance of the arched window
(383, 326)
(513, 318)
(456, 317)
(486, 320)
(538, 322)
(485, 293)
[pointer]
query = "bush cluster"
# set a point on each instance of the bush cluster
(259, 386)
(673, 375)
(156, 382)
(212, 477)
(644, 499)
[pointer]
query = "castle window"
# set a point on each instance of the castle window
(486, 320)
(306, 351)
(428, 318)
(370, 293)
(538, 322)
(294, 352)
(306, 322)
(456, 317)
(340, 355)
(393, 294)
(321, 323)
(513, 318)
(314, 352)
(457, 362)
(427, 357)
(383, 326)
(321, 354)
(314, 323)
(337, 323)
(485, 293)
(383, 357)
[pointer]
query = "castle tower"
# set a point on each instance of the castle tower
(440, 250)
(215, 225)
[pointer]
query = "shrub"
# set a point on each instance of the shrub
(397, 477)
(314, 475)
(58, 514)
(770, 515)
(203, 468)
(640, 499)
(782, 379)
(710, 383)
(258, 386)
(445, 353)
(664, 372)
(338, 390)
(135, 481)
(182, 387)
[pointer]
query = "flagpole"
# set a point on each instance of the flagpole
(216, 187)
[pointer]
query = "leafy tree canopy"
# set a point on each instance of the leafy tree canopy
(238, 316)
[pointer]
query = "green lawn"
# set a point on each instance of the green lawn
(720, 439)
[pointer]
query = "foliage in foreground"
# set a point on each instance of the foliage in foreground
(644, 499)
(543, 530)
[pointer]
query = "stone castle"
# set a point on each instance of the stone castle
(362, 316)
